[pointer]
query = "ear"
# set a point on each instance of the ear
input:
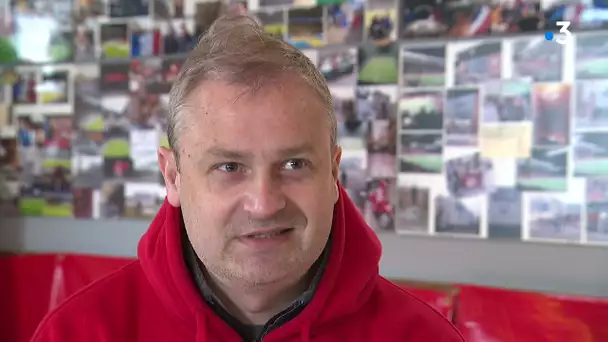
(168, 167)
(335, 169)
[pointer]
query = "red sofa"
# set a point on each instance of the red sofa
(31, 285)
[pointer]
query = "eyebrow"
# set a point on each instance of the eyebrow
(248, 154)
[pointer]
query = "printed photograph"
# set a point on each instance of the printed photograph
(114, 78)
(177, 36)
(480, 19)
(581, 17)
(145, 38)
(117, 162)
(421, 19)
(459, 216)
(376, 102)
(539, 59)
(461, 117)
(352, 128)
(545, 170)
(205, 14)
(5, 117)
(24, 89)
(379, 208)
(353, 176)
(59, 10)
(469, 19)
(421, 110)
(424, 66)
(381, 136)
(305, 27)
(9, 178)
(505, 219)
(143, 144)
(591, 105)
(344, 22)
(381, 143)
(85, 42)
(338, 66)
(507, 101)
(168, 9)
(597, 210)
(146, 77)
(475, 62)
(89, 128)
(128, 8)
(552, 114)
(90, 9)
(591, 56)
(52, 17)
(142, 200)
(170, 68)
(506, 141)
(381, 20)
(115, 41)
(87, 169)
(44, 154)
(115, 113)
(413, 210)
(421, 153)
(515, 17)
(275, 3)
(556, 216)
(4, 97)
(469, 175)
(378, 64)
(273, 21)
(54, 87)
(84, 203)
(382, 164)
(590, 154)
(112, 200)
(146, 111)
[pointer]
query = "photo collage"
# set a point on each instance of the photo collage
(496, 135)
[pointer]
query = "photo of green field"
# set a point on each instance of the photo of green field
(116, 50)
(378, 64)
(115, 41)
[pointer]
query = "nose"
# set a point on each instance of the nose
(264, 198)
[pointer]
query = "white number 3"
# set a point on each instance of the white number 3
(564, 33)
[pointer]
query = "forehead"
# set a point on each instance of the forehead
(273, 116)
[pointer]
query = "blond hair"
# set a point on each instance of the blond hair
(236, 49)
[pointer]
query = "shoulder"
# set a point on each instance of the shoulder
(85, 314)
(409, 315)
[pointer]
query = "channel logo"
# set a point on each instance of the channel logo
(564, 34)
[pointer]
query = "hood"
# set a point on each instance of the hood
(346, 284)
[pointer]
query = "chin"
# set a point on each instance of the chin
(272, 272)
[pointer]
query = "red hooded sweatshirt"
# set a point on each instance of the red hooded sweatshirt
(156, 299)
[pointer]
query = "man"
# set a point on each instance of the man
(256, 240)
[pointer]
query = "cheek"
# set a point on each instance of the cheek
(204, 212)
(316, 202)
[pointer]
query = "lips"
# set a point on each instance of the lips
(268, 233)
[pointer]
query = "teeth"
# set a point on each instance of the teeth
(266, 235)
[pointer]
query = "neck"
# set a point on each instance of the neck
(256, 304)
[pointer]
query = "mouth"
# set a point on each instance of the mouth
(268, 234)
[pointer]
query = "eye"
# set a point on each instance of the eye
(229, 167)
(295, 164)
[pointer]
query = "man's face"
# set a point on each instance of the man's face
(257, 181)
